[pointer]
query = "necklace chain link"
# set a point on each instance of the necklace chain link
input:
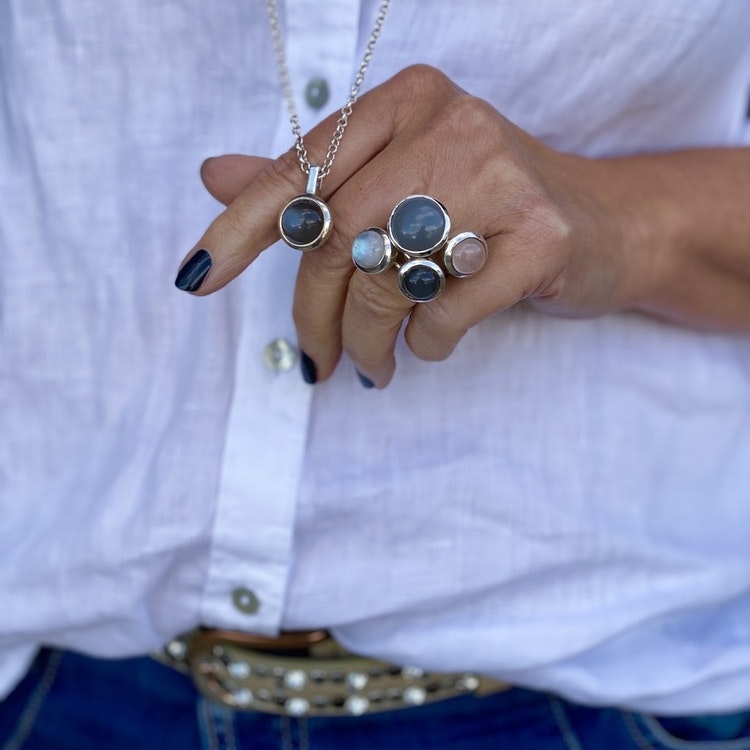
(346, 110)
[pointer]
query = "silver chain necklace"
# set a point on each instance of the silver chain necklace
(305, 222)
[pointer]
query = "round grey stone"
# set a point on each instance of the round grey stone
(422, 284)
(302, 221)
(418, 225)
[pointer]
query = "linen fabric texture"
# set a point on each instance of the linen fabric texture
(562, 504)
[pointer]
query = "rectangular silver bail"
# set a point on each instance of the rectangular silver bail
(312, 180)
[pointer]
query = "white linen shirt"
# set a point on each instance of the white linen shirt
(564, 504)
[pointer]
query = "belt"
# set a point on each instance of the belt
(307, 673)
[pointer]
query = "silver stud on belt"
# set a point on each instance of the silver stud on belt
(307, 674)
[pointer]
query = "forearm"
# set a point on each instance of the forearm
(686, 218)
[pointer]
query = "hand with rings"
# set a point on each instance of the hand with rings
(418, 228)
(430, 186)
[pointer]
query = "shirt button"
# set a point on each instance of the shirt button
(316, 93)
(280, 356)
(245, 601)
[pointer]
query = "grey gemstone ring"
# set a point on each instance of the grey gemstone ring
(416, 241)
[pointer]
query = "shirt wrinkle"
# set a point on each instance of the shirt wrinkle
(582, 512)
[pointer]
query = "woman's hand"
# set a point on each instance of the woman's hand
(571, 235)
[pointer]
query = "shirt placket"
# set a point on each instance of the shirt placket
(267, 422)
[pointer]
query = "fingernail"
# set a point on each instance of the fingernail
(366, 382)
(309, 371)
(194, 272)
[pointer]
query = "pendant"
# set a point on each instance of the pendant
(305, 222)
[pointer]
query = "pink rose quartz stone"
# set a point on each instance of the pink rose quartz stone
(468, 256)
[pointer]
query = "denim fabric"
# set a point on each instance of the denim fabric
(71, 702)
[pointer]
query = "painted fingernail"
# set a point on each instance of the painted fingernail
(366, 382)
(309, 371)
(194, 272)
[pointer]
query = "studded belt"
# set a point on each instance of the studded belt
(307, 674)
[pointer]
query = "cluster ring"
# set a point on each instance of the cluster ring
(418, 231)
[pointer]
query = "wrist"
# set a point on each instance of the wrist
(691, 234)
(626, 228)
(650, 226)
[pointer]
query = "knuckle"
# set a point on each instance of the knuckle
(475, 130)
(432, 334)
(329, 269)
(337, 258)
(548, 241)
(370, 325)
(374, 306)
(284, 174)
(472, 126)
(420, 81)
(423, 77)
(550, 226)
(471, 117)
(549, 220)
(233, 226)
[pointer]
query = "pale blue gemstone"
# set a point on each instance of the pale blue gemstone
(368, 250)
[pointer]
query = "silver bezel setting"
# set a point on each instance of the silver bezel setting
(324, 232)
(434, 248)
(450, 247)
(420, 262)
(389, 252)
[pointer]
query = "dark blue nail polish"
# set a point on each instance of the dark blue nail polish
(194, 272)
(366, 382)
(309, 371)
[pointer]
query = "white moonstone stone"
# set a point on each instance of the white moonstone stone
(368, 249)
(469, 256)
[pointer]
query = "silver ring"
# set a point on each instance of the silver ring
(418, 230)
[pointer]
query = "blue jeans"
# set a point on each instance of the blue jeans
(71, 702)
